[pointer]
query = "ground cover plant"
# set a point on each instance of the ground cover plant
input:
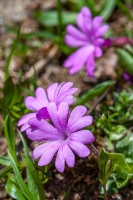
(66, 101)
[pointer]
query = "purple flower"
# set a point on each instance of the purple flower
(88, 38)
(63, 136)
(128, 77)
(55, 93)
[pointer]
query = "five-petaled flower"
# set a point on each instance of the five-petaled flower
(88, 38)
(64, 135)
(38, 105)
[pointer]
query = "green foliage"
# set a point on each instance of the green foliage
(10, 136)
(12, 100)
(124, 9)
(20, 180)
(126, 60)
(33, 179)
(125, 146)
(12, 188)
(4, 160)
(114, 163)
(50, 18)
(5, 171)
(107, 8)
(96, 91)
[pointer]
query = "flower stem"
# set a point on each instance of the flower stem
(94, 149)
(105, 194)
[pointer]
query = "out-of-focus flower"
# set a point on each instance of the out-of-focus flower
(63, 136)
(128, 77)
(55, 93)
(88, 38)
(120, 41)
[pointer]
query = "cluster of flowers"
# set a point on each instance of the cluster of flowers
(60, 131)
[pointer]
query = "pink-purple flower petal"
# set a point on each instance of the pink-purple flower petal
(42, 125)
(73, 31)
(51, 92)
(74, 42)
(90, 66)
(85, 12)
(60, 160)
(76, 114)
(81, 123)
(41, 95)
(38, 135)
(33, 104)
(69, 156)
(63, 112)
(80, 149)
(49, 153)
(82, 136)
(101, 31)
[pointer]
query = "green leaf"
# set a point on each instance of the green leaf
(10, 136)
(117, 132)
(125, 146)
(26, 151)
(40, 34)
(16, 95)
(35, 176)
(126, 60)
(96, 91)
(5, 171)
(4, 160)
(12, 188)
(8, 91)
(20, 180)
(124, 9)
(29, 36)
(111, 186)
(107, 9)
(31, 184)
(123, 171)
(123, 176)
(67, 195)
(50, 18)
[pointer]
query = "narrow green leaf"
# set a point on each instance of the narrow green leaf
(67, 195)
(8, 91)
(19, 178)
(24, 145)
(126, 60)
(31, 184)
(40, 34)
(5, 171)
(96, 91)
(124, 9)
(10, 136)
(50, 18)
(108, 7)
(34, 174)
(12, 188)
(16, 95)
(4, 160)
(29, 36)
